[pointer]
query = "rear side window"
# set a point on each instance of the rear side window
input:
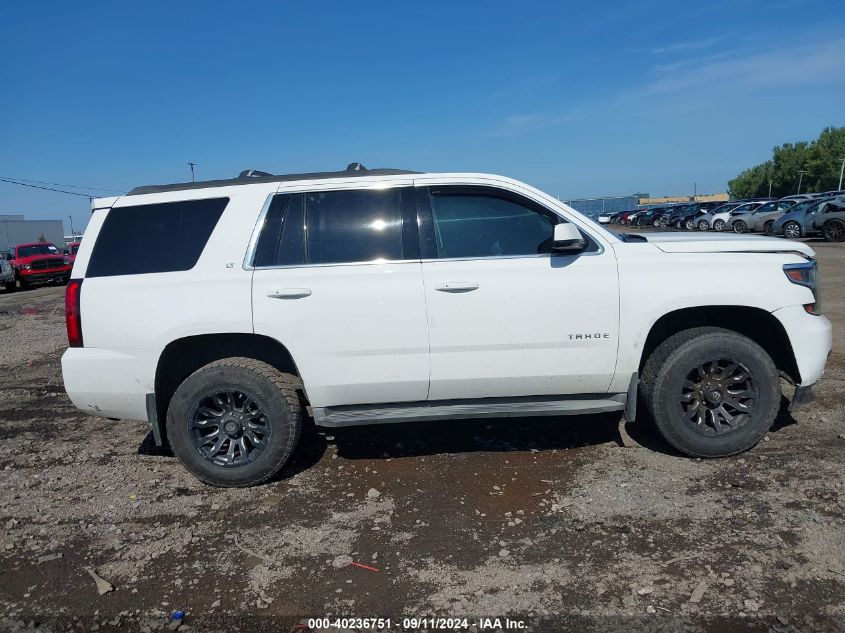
(154, 238)
(358, 225)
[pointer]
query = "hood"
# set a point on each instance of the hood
(724, 243)
(38, 258)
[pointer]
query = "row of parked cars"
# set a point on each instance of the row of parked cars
(792, 216)
(36, 263)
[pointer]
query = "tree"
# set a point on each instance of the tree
(820, 159)
(41, 238)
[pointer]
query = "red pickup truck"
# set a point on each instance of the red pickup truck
(39, 263)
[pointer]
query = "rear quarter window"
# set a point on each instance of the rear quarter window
(154, 238)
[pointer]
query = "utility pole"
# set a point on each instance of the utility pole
(770, 187)
(801, 173)
(193, 179)
(841, 171)
(70, 217)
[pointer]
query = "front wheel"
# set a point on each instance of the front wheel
(719, 225)
(702, 225)
(792, 230)
(834, 231)
(740, 226)
(690, 224)
(235, 422)
(767, 227)
(711, 391)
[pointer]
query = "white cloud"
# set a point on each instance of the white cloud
(690, 45)
(516, 124)
(820, 62)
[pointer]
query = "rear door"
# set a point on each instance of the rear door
(506, 316)
(338, 280)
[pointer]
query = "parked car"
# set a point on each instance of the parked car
(70, 252)
(762, 219)
(647, 217)
(724, 220)
(38, 263)
(830, 220)
(705, 221)
(7, 275)
(490, 280)
(798, 220)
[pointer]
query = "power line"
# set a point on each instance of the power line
(23, 184)
(58, 184)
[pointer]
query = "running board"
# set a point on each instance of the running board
(356, 415)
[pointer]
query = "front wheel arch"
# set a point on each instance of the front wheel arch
(759, 325)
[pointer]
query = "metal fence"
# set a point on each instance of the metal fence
(593, 207)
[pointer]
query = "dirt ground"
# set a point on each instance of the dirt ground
(583, 523)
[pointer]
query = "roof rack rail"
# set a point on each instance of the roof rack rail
(249, 176)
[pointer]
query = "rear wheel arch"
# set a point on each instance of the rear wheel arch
(759, 325)
(182, 357)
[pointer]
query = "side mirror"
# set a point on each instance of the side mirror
(568, 239)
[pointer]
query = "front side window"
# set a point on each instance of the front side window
(357, 225)
(481, 222)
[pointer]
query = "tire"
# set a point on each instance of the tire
(656, 223)
(719, 225)
(23, 284)
(792, 230)
(277, 431)
(740, 226)
(674, 365)
(834, 231)
(703, 225)
(767, 227)
(10, 286)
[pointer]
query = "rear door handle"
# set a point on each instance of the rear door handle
(457, 286)
(290, 293)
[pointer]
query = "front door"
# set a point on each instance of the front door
(338, 281)
(507, 317)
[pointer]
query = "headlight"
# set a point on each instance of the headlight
(806, 274)
(26, 266)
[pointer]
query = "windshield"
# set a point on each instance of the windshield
(37, 249)
(722, 209)
(74, 248)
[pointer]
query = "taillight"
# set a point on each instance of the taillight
(73, 317)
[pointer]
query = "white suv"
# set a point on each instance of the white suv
(224, 312)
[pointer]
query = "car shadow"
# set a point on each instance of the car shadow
(534, 434)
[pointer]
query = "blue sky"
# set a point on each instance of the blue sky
(579, 99)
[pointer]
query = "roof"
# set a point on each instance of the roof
(251, 176)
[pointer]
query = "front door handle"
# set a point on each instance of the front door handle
(457, 286)
(290, 293)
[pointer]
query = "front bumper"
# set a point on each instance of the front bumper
(44, 276)
(811, 338)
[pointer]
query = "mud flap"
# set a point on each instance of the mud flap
(802, 396)
(152, 417)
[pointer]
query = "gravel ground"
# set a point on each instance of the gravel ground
(583, 523)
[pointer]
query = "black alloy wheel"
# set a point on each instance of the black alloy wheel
(740, 226)
(834, 230)
(229, 428)
(718, 396)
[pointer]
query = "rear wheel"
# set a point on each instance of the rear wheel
(235, 422)
(719, 225)
(690, 224)
(792, 230)
(767, 227)
(834, 231)
(703, 225)
(740, 226)
(712, 392)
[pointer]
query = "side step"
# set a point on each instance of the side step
(356, 415)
